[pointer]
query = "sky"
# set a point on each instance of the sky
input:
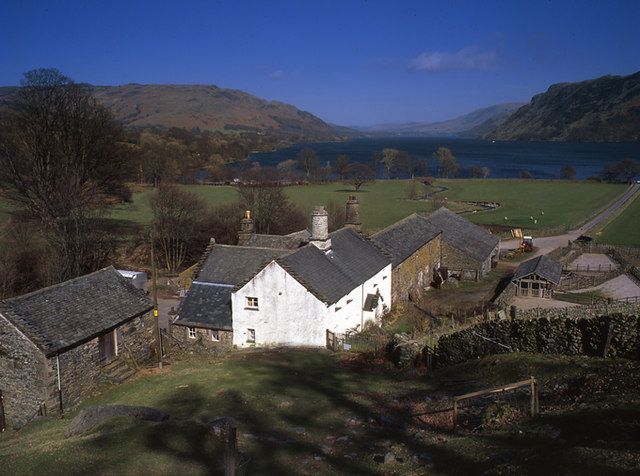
(351, 62)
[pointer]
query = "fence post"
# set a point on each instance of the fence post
(3, 421)
(534, 397)
(230, 451)
(455, 414)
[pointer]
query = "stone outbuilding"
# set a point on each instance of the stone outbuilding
(59, 343)
(537, 277)
(415, 249)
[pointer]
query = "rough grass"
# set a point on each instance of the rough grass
(291, 406)
(625, 228)
(566, 204)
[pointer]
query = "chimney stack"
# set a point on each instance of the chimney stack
(352, 215)
(246, 229)
(320, 228)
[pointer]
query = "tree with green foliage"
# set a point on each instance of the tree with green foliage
(447, 162)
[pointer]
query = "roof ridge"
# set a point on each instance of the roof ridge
(393, 225)
(57, 285)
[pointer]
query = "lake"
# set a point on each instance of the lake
(505, 159)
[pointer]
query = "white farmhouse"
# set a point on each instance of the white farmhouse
(249, 296)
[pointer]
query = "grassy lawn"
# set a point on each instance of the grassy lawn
(313, 412)
(625, 228)
(565, 204)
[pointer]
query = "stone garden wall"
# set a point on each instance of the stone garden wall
(552, 334)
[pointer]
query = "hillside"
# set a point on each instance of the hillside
(208, 108)
(474, 124)
(599, 110)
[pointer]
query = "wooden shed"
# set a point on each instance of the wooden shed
(537, 277)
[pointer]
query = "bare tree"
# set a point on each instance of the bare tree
(568, 172)
(60, 161)
(307, 161)
(447, 163)
(389, 158)
(272, 211)
(177, 223)
(342, 162)
(359, 174)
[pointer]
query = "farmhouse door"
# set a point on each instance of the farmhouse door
(108, 346)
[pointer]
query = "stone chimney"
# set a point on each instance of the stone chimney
(320, 228)
(352, 216)
(246, 229)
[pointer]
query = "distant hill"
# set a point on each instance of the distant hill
(207, 108)
(473, 124)
(598, 110)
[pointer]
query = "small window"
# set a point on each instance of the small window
(349, 301)
(375, 285)
(384, 277)
(251, 303)
(215, 336)
(191, 332)
(251, 336)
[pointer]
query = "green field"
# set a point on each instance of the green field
(566, 205)
(314, 412)
(625, 228)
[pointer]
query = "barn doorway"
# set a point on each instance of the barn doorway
(108, 346)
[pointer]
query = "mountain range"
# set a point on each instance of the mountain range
(474, 124)
(605, 109)
(207, 107)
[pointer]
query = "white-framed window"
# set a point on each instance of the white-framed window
(251, 302)
(191, 332)
(215, 336)
(251, 336)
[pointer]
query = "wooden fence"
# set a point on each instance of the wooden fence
(532, 382)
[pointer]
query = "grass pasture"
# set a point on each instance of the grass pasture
(625, 228)
(314, 412)
(566, 204)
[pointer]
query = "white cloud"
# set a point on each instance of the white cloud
(277, 74)
(466, 58)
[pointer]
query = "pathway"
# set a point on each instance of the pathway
(620, 287)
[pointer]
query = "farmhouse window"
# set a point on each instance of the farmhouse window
(191, 332)
(251, 336)
(252, 303)
(215, 336)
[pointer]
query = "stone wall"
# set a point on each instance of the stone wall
(23, 375)
(181, 344)
(556, 335)
(580, 311)
(460, 264)
(416, 272)
(82, 369)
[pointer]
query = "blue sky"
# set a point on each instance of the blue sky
(349, 62)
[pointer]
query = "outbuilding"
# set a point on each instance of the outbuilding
(59, 343)
(537, 277)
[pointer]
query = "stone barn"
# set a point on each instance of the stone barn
(537, 277)
(415, 249)
(469, 251)
(59, 343)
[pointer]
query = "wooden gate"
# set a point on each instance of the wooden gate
(3, 421)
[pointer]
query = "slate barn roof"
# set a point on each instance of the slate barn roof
(331, 275)
(404, 238)
(68, 314)
(207, 306)
(473, 240)
(543, 266)
(235, 265)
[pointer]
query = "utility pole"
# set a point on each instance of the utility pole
(154, 282)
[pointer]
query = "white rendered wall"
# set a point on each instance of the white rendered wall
(287, 313)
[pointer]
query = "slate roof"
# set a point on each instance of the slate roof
(543, 266)
(207, 306)
(68, 314)
(291, 241)
(473, 240)
(331, 275)
(405, 237)
(235, 265)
